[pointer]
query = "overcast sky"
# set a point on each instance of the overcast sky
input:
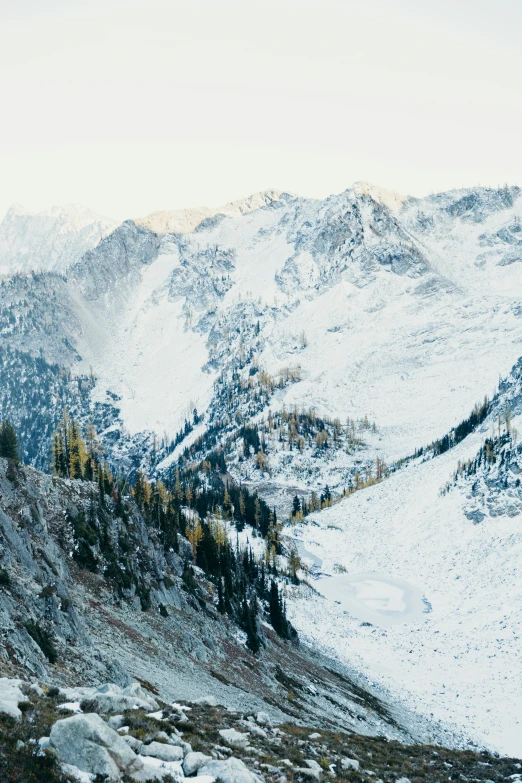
(128, 106)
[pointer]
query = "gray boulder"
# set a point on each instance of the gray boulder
(254, 729)
(234, 738)
(132, 742)
(231, 770)
(10, 697)
(110, 697)
(193, 761)
(350, 764)
(206, 701)
(86, 742)
(263, 718)
(116, 721)
(308, 772)
(159, 750)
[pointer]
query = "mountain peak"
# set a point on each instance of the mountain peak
(389, 198)
(170, 221)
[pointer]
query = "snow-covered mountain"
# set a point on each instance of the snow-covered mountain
(405, 310)
(318, 340)
(48, 241)
(421, 578)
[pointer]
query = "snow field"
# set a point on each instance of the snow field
(459, 663)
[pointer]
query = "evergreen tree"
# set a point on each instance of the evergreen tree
(278, 617)
(8, 441)
(250, 624)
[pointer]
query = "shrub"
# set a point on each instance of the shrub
(89, 705)
(85, 557)
(5, 579)
(44, 640)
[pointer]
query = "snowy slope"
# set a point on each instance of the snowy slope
(395, 326)
(459, 661)
(48, 241)
(405, 310)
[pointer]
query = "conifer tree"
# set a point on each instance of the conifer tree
(294, 564)
(8, 441)
(278, 613)
(250, 624)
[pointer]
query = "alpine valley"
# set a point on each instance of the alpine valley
(268, 474)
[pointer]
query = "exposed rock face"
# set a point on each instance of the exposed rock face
(87, 742)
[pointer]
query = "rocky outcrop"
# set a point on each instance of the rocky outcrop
(88, 743)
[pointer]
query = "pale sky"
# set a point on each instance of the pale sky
(128, 106)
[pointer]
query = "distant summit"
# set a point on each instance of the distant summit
(181, 221)
(51, 240)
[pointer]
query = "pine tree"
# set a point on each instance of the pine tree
(250, 624)
(278, 617)
(294, 563)
(257, 513)
(141, 490)
(195, 535)
(8, 442)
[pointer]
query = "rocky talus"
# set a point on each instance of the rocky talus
(109, 734)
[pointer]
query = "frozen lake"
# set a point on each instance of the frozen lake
(305, 555)
(374, 598)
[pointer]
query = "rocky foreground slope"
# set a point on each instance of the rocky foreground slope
(52, 735)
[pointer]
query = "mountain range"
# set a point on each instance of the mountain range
(332, 349)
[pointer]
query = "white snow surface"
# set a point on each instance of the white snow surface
(374, 598)
(459, 662)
